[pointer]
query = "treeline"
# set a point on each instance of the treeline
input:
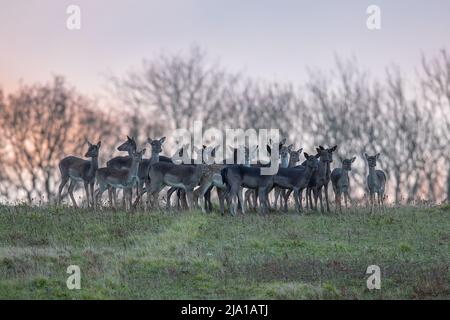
(406, 120)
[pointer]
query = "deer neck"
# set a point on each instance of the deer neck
(291, 163)
(372, 171)
(308, 172)
(284, 162)
(155, 157)
(322, 170)
(94, 166)
(133, 170)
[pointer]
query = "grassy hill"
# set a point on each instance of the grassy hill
(177, 255)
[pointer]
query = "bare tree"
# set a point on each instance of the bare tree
(435, 83)
(41, 124)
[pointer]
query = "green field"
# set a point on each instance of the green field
(180, 255)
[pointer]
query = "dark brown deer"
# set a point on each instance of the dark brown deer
(80, 170)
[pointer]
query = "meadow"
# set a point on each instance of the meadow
(190, 255)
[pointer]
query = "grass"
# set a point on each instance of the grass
(190, 255)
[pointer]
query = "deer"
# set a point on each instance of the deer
(237, 177)
(291, 157)
(296, 179)
(80, 170)
(181, 195)
(112, 178)
(124, 162)
(321, 178)
(145, 164)
(341, 182)
(211, 178)
(186, 177)
(376, 181)
(284, 155)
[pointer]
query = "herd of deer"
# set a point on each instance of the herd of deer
(194, 181)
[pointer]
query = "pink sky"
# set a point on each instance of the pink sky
(264, 38)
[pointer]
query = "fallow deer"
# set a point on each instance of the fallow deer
(80, 170)
(341, 182)
(376, 181)
(296, 179)
(111, 178)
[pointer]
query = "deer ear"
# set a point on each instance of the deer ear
(149, 140)
(378, 155)
(317, 156)
(128, 138)
(366, 155)
(318, 150)
(162, 140)
(99, 144)
(290, 147)
(300, 150)
(89, 144)
(334, 148)
(353, 159)
(321, 148)
(306, 155)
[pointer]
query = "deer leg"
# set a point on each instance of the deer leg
(220, 195)
(240, 196)
(286, 199)
(91, 185)
(61, 187)
(346, 197)
(203, 190)
(86, 189)
(110, 196)
(283, 198)
(247, 198)
(297, 200)
(319, 194)
(338, 201)
(114, 196)
(262, 201)
(182, 199)
(277, 195)
(379, 201)
(169, 195)
(70, 191)
(326, 197)
(372, 201)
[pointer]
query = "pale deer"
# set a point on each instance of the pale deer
(376, 181)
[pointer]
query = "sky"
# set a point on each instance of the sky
(267, 39)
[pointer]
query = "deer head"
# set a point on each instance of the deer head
(93, 149)
(326, 155)
(372, 160)
(129, 145)
(156, 144)
(311, 161)
(294, 156)
(347, 163)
